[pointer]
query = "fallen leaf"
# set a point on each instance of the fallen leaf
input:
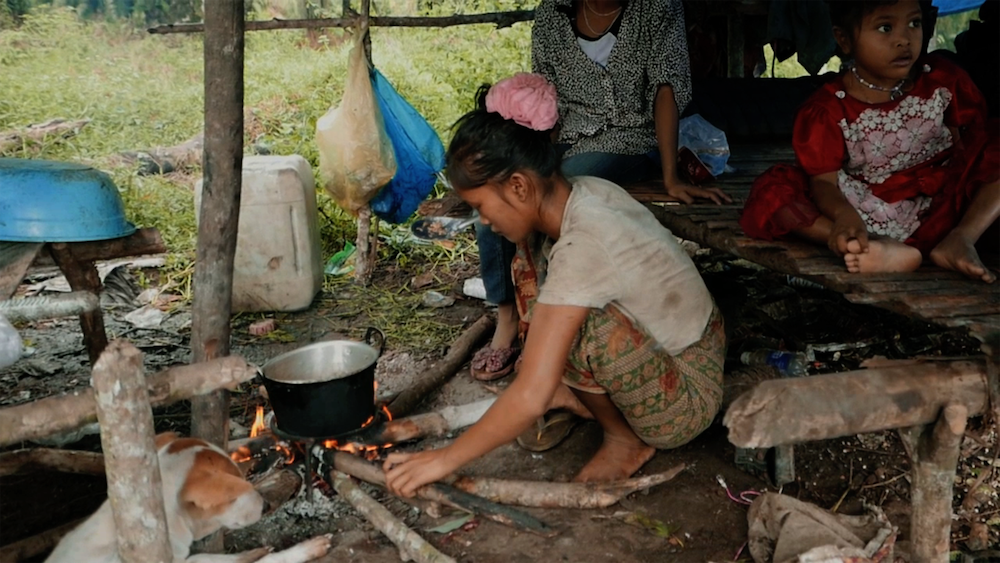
(452, 525)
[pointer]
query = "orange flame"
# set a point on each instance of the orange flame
(285, 451)
(258, 423)
(241, 454)
(368, 452)
(385, 409)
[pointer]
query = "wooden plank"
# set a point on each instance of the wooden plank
(15, 259)
(933, 290)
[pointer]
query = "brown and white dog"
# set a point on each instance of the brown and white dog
(203, 491)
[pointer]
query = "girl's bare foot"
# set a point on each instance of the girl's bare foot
(884, 255)
(619, 457)
(957, 252)
(565, 399)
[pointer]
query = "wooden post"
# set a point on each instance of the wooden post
(135, 489)
(83, 276)
(366, 244)
(220, 206)
(935, 459)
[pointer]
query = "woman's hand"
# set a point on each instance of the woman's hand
(847, 226)
(405, 473)
(686, 192)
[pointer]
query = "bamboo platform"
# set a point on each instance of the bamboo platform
(931, 294)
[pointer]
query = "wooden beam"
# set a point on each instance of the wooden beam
(499, 19)
(15, 259)
(220, 206)
(82, 276)
(135, 487)
(64, 413)
(855, 402)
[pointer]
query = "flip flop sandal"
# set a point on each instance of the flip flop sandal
(493, 363)
(548, 431)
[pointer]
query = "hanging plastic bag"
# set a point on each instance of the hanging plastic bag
(706, 141)
(418, 150)
(355, 154)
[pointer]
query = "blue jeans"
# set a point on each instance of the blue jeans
(496, 252)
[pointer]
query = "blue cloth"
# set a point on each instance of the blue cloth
(946, 7)
(419, 154)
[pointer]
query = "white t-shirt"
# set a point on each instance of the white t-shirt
(612, 249)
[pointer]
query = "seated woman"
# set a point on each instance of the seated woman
(620, 325)
(620, 69)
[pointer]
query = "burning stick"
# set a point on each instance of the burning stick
(411, 546)
(438, 423)
(541, 494)
(439, 492)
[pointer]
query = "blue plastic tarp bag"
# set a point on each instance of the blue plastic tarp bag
(419, 154)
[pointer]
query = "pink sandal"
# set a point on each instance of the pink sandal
(493, 363)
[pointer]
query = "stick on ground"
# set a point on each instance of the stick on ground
(411, 545)
(434, 378)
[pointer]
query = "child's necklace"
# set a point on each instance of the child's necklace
(894, 92)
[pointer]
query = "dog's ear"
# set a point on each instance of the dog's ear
(165, 438)
(213, 484)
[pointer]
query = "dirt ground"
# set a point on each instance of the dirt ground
(687, 519)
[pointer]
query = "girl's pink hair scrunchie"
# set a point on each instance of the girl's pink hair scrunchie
(528, 99)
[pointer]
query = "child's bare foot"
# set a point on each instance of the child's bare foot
(957, 252)
(884, 255)
(618, 458)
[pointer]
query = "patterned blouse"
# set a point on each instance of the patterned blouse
(611, 109)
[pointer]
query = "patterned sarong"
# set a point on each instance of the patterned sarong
(667, 400)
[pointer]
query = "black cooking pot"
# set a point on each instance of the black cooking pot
(324, 389)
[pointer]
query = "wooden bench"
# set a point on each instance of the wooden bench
(76, 261)
(927, 401)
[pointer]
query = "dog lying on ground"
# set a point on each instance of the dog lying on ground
(203, 491)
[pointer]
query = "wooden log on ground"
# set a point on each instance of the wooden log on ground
(51, 459)
(844, 404)
(164, 160)
(64, 413)
(135, 489)
(220, 206)
(932, 488)
(434, 378)
(500, 19)
(38, 544)
(541, 494)
(411, 546)
(83, 276)
(437, 423)
(277, 487)
(36, 133)
(440, 493)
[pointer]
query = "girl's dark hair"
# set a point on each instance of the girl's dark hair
(488, 147)
(848, 14)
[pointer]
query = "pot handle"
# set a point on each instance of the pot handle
(373, 335)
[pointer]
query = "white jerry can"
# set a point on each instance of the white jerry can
(278, 265)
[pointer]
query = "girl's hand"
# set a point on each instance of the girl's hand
(405, 473)
(686, 192)
(848, 226)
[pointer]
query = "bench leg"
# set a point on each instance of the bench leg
(934, 451)
(83, 276)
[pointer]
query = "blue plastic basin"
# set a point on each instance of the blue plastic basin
(47, 201)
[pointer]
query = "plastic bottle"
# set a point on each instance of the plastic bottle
(10, 343)
(790, 364)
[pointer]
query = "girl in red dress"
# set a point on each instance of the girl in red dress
(895, 158)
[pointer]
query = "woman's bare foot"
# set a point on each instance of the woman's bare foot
(619, 457)
(884, 255)
(957, 252)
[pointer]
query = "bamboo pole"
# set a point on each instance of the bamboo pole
(220, 206)
(500, 19)
(135, 489)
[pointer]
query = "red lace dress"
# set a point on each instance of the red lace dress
(898, 162)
